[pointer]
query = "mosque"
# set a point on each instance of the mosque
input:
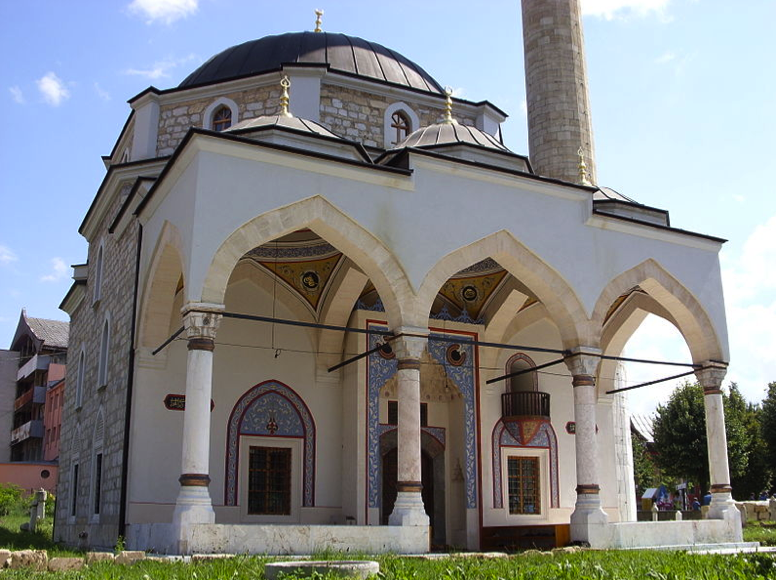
(325, 307)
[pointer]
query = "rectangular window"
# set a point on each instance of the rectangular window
(74, 491)
(97, 482)
(523, 485)
(393, 413)
(269, 481)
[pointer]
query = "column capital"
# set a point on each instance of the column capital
(711, 376)
(410, 347)
(583, 360)
(201, 320)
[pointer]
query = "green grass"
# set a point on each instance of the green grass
(586, 565)
(12, 538)
(763, 532)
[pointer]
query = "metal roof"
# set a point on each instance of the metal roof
(341, 52)
(642, 424)
(447, 133)
(295, 123)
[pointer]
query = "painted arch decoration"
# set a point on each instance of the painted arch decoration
(462, 376)
(527, 433)
(270, 409)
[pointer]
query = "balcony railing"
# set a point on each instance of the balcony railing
(519, 404)
(34, 395)
(38, 362)
(32, 428)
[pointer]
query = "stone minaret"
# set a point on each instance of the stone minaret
(556, 88)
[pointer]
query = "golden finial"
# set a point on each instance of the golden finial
(449, 107)
(582, 168)
(285, 83)
(318, 14)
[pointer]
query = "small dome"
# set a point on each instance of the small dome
(293, 123)
(342, 53)
(451, 133)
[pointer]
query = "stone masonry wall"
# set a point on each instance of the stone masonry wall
(359, 116)
(176, 119)
(353, 114)
(559, 120)
(78, 425)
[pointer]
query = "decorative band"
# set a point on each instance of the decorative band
(409, 363)
(591, 488)
(202, 344)
(712, 391)
(415, 486)
(195, 479)
(583, 381)
(721, 488)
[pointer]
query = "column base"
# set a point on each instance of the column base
(193, 506)
(722, 506)
(589, 520)
(408, 510)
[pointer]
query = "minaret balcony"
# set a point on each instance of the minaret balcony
(525, 405)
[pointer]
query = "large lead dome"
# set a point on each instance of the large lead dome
(343, 53)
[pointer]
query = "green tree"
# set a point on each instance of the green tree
(747, 417)
(645, 472)
(680, 435)
(768, 424)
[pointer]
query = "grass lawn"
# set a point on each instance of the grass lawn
(584, 565)
(577, 566)
(763, 532)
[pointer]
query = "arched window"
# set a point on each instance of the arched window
(79, 382)
(102, 371)
(399, 120)
(400, 127)
(98, 276)
(527, 381)
(222, 118)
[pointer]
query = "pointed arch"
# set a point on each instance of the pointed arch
(330, 223)
(341, 297)
(165, 271)
(560, 299)
(250, 417)
(674, 302)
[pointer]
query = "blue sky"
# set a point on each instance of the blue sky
(682, 93)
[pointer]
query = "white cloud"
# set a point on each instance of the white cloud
(665, 57)
(17, 94)
(739, 198)
(167, 11)
(611, 9)
(53, 89)
(7, 255)
(58, 271)
(160, 69)
(102, 93)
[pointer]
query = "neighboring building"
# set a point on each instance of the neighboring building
(290, 322)
(32, 380)
(52, 422)
(41, 349)
(9, 365)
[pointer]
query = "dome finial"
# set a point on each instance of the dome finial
(285, 83)
(318, 14)
(582, 168)
(449, 107)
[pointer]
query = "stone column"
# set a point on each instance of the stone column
(722, 504)
(194, 505)
(588, 517)
(408, 509)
